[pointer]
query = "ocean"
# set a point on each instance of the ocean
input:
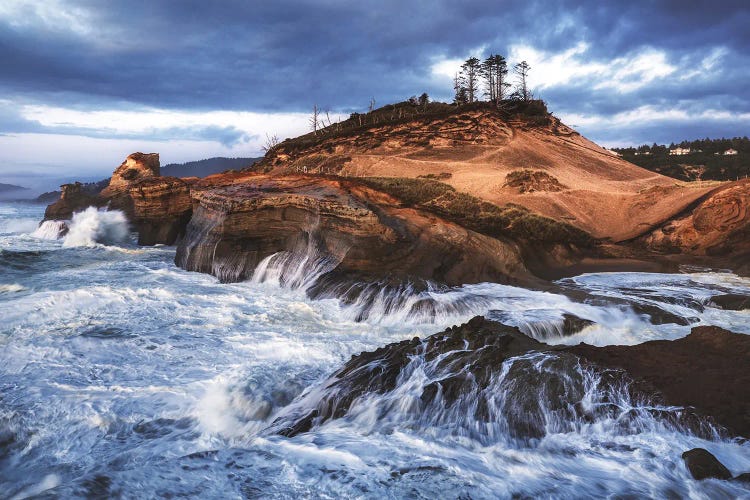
(122, 375)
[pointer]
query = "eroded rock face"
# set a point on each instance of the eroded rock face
(136, 167)
(72, 199)
(325, 225)
(718, 226)
(703, 465)
(462, 361)
(161, 209)
(707, 370)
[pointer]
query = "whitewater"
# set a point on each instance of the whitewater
(123, 375)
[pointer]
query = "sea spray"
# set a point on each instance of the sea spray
(127, 350)
(92, 226)
(51, 230)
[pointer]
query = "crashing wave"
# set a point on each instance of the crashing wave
(51, 230)
(92, 226)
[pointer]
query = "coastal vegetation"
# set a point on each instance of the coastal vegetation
(702, 159)
(510, 221)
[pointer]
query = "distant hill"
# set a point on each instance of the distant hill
(702, 159)
(203, 168)
(7, 188)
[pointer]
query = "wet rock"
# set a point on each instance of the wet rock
(743, 478)
(704, 375)
(706, 370)
(73, 199)
(573, 324)
(731, 301)
(659, 316)
(469, 355)
(703, 465)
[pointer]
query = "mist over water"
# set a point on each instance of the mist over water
(121, 374)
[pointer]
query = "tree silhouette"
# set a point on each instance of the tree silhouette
(494, 70)
(469, 77)
(522, 70)
(315, 119)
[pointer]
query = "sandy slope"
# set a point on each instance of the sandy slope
(604, 195)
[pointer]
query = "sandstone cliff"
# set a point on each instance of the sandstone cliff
(136, 167)
(327, 227)
(72, 199)
(158, 207)
(456, 195)
(718, 227)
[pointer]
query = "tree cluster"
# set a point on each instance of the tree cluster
(706, 161)
(490, 76)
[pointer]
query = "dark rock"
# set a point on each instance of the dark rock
(572, 324)
(704, 375)
(731, 301)
(72, 199)
(659, 316)
(707, 370)
(743, 478)
(703, 465)
(468, 355)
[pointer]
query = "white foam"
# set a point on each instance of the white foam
(50, 229)
(18, 226)
(92, 226)
(11, 288)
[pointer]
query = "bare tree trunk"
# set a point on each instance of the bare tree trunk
(314, 119)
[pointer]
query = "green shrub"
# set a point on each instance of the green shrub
(511, 221)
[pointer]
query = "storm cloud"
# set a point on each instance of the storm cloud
(622, 72)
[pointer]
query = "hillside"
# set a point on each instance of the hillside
(9, 188)
(521, 156)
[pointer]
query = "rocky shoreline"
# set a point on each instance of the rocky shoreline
(699, 382)
(344, 237)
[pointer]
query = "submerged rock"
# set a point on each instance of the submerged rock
(573, 324)
(703, 465)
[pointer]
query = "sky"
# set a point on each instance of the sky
(86, 82)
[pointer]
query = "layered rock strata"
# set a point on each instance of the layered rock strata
(315, 226)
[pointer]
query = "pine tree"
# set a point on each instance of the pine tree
(470, 77)
(494, 70)
(522, 70)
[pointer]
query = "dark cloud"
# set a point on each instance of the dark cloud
(286, 55)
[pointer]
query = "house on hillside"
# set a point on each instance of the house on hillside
(679, 151)
(730, 152)
(645, 153)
